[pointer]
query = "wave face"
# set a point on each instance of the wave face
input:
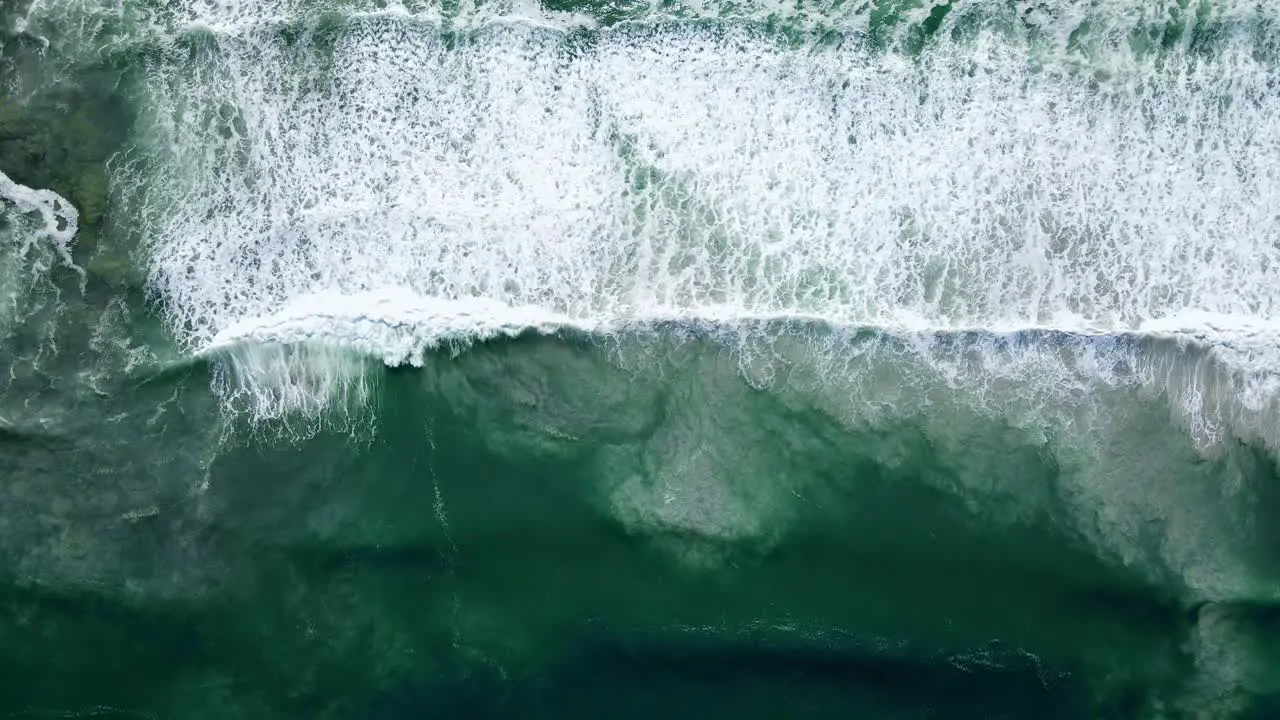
(814, 322)
(1018, 221)
(1018, 206)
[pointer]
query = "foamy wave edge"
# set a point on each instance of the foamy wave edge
(1218, 373)
(399, 328)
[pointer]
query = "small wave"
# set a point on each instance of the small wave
(1217, 372)
(399, 327)
(396, 327)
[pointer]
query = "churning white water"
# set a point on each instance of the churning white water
(384, 181)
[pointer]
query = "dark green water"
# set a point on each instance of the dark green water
(768, 496)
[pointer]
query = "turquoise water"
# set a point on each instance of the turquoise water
(544, 360)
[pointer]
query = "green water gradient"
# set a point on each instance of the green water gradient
(571, 525)
(458, 561)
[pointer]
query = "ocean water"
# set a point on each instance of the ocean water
(908, 359)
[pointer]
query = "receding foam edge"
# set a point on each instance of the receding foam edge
(398, 326)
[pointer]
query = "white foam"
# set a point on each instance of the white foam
(398, 326)
(391, 189)
(683, 171)
(43, 229)
(394, 326)
(37, 229)
(59, 219)
(1112, 20)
